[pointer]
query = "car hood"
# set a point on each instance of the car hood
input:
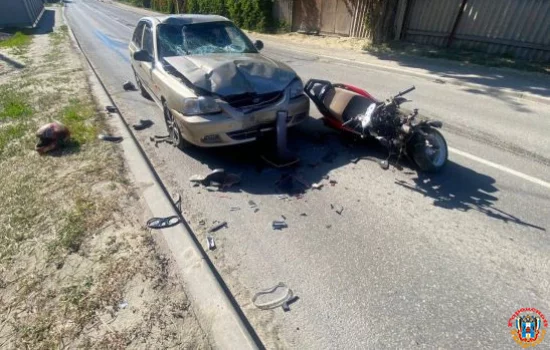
(230, 74)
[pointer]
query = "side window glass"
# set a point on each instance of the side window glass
(138, 34)
(148, 41)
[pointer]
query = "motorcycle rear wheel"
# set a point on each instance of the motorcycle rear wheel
(431, 158)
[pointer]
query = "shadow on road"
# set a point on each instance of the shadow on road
(492, 80)
(460, 188)
(320, 150)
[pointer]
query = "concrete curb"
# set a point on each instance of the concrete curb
(218, 313)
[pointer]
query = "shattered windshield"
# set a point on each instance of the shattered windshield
(202, 38)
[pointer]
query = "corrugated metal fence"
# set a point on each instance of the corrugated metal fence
(20, 13)
(519, 28)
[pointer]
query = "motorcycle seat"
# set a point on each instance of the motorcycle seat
(344, 104)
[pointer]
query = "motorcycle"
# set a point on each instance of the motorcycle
(353, 110)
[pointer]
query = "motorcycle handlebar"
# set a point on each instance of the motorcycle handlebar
(405, 92)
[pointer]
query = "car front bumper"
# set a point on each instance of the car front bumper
(232, 127)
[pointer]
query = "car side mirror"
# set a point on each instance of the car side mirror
(142, 56)
(259, 45)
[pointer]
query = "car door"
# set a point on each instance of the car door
(135, 45)
(146, 68)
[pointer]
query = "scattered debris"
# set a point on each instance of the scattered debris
(282, 197)
(274, 297)
(217, 227)
(384, 164)
(333, 182)
(253, 205)
(340, 210)
(129, 86)
(160, 223)
(329, 226)
(317, 186)
(111, 109)
(234, 209)
(326, 177)
(303, 214)
(439, 81)
(123, 305)
(210, 242)
(217, 178)
(279, 225)
(109, 138)
(284, 217)
(177, 202)
(143, 124)
(202, 222)
(286, 305)
(51, 136)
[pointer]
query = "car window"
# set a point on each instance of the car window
(202, 38)
(138, 33)
(148, 41)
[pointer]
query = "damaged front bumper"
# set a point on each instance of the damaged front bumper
(233, 126)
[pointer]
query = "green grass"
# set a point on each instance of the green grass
(13, 104)
(10, 133)
(399, 48)
(17, 40)
(78, 118)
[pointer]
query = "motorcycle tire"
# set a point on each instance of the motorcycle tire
(430, 163)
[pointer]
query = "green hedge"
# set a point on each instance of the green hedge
(248, 14)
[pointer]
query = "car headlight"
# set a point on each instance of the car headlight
(200, 105)
(296, 88)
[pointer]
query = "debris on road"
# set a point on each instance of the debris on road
(317, 186)
(303, 214)
(129, 86)
(51, 136)
(110, 138)
(279, 224)
(111, 109)
(142, 125)
(160, 223)
(211, 243)
(123, 305)
(253, 206)
(340, 210)
(235, 209)
(274, 297)
(217, 227)
(217, 178)
(333, 182)
(282, 197)
(177, 202)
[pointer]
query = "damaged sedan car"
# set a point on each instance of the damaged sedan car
(213, 85)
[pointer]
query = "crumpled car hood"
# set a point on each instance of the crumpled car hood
(231, 74)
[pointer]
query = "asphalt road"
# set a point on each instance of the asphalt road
(413, 261)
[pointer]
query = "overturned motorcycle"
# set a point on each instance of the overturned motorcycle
(353, 110)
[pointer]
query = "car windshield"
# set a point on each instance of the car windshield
(202, 38)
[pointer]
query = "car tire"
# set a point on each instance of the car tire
(173, 129)
(142, 90)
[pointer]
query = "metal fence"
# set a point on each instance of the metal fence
(20, 13)
(519, 28)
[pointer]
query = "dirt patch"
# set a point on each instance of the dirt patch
(77, 269)
(321, 41)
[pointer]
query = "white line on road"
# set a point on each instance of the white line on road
(501, 168)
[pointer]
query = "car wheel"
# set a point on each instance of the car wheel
(142, 90)
(173, 128)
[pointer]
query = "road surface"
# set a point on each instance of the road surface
(413, 261)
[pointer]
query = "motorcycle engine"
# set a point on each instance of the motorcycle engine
(385, 124)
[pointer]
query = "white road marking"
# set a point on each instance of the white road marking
(501, 168)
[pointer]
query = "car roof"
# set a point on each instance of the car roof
(187, 19)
